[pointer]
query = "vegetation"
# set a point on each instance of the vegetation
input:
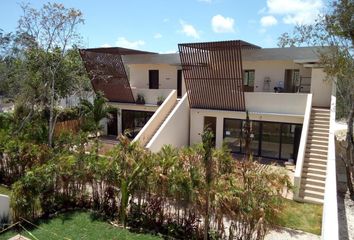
(334, 30)
(5, 190)
(40, 63)
(77, 225)
(302, 216)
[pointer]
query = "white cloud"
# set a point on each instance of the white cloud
(268, 21)
(106, 45)
(189, 30)
(295, 11)
(221, 24)
(123, 42)
(158, 35)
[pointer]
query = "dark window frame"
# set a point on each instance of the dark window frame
(261, 136)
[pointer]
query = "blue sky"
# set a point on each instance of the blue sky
(159, 25)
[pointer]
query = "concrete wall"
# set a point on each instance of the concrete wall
(139, 76)
(151, 95)
(175, 129)
(279, 103)
(156, 120)
(321, 88)
(4, 205)
(275, 70)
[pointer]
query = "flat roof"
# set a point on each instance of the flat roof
(296, 54)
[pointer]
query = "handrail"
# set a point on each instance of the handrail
(302, 147)
(155, 121)
(330, 207)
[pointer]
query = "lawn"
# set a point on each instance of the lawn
(79, 225)
(4, 190)
(302, 216)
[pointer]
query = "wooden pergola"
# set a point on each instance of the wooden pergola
(213, 74)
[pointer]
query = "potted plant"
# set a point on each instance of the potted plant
(160, 100)
(140, 99)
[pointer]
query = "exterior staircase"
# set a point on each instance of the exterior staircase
(315, 163)
(168, 114)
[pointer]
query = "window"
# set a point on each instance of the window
(233, 134)
(134, 121)
(269, 139)
(248, 78)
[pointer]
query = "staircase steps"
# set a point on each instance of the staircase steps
(315, 163)
(168, 114)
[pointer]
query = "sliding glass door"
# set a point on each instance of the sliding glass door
(269, 139)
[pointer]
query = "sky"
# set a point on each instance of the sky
(159, 25)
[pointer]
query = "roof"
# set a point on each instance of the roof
(117, 50)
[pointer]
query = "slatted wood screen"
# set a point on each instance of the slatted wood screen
(106, 70)
(213, 74)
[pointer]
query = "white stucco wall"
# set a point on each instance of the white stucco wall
(139, 75)
(321, 88)
(275, 70)
(175, 130)
(4, 205)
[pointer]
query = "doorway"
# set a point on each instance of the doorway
(112, 123)
(153, 79)
(291, 80)
(179, 83)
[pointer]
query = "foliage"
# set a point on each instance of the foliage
(40, 63)
(140, 99)
(160, 100)
(302, 216)
(168, 192)
(77, 225)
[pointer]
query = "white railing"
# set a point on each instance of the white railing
(330, 207)
(174, 130)
(278, 103)
(302, 147)
(151, 95)
(156, 120)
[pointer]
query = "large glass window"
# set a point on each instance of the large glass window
(233, 134)
(134, 121)
(270, 139)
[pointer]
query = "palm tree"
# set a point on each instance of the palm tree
(93, 114)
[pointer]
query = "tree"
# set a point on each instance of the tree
(94, 113)
(334, 30)
(207, 139)
(51, 31)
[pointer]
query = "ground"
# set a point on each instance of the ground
(79, 225)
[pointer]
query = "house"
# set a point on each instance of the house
(290, 102)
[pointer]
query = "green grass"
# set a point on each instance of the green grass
(302, 216)
(79, 225)
(5, 190)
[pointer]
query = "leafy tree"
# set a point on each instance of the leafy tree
(334, 30)
(43, 63)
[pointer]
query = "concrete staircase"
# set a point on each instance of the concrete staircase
(315, 163)
(168, 114)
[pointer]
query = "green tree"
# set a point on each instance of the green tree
(93, 114)
(334, 29)
(49, 33)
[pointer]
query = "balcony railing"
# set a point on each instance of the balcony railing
(151, 96)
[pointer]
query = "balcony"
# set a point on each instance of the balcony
(151, 96)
